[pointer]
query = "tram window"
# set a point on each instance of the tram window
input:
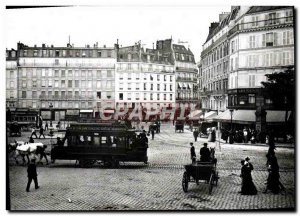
(103, 140)
(97, 140)
(89, 140)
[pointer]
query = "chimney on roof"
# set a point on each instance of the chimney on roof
(213, 25)
(234, 7)
(104, 46)
(223, 16)
(34, 45)
(43, 45)
(51, 45)
(88, 46)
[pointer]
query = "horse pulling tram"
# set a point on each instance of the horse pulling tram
(205, 171)
(107, 143)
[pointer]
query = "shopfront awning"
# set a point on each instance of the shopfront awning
(86, 111)
(248, 116)
(209, 116)
(179, 85)
(195, 114)
(109, 111)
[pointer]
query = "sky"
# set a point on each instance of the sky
(107, 23)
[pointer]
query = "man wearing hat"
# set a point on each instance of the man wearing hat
(204, 153)
(32, 175)
(193, 153)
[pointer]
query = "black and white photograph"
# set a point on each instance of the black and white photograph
(125, 107)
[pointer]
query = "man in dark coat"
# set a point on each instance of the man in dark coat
(195, 134)
(205, 153)
(193, 153)
(42, 132)
(152, 133)
(32, 175)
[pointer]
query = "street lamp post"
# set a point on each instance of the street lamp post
(231, 132)
(50, 106)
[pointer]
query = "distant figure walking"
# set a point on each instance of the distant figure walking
(33, 132)
(273, 182)
(41, 151)
(46, 126)
(42, 133)
(32, 175)
(195, 134)
(193, 153)
(248, 187)
(152, 133)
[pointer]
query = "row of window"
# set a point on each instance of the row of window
(63, 73)
(137, 86)
(143, 67)
(65, 84)
(66, 53)
(56, 104)
(217, 53)
(146, 96)
(264, 60)
(138, 76)
(217, 85)
(220, 68)
(66, 94)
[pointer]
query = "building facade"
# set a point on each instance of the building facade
(261, 42)
(11, 78)
(59, 80)
(241, 49)
(144, 78)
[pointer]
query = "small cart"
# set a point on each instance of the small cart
(200, 171)
(179, 126)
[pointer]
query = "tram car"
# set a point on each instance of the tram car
(24, 117)
(107, 143)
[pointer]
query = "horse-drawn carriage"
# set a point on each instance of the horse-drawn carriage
(179, 126)
(205, 171)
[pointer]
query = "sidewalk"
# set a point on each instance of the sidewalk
(281, 145)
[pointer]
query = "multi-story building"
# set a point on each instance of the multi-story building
(144, 78)
(215, 61)
(186, 76)
(261, 42)
(11, 78)
(258, 40)
(62, 80)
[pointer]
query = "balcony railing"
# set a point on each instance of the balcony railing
(288, 20)
(42, 97)
(66, 64)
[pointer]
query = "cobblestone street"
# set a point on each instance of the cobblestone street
(157, 185)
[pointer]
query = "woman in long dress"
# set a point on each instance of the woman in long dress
(273, 182)
(248, 187)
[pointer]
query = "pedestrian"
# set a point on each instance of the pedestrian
(273, 182)
(195, 134)
(59, 142)
(152, 133)
(193, 153)
(46, 126)
(205, 153)
(31, 140)
(42, 132)
(32, 175)
(41, 151)
(248, 187)
(245, 133)
(58, 125)
(33, 132)
(213, 134)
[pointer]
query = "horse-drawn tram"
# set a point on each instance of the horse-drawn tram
(107, 143)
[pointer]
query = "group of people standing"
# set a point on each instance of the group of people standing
(240, 136)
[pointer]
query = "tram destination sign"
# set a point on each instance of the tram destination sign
(96, 128)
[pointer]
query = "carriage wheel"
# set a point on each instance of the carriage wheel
(86, 163)
(211, 183)
(185, 182)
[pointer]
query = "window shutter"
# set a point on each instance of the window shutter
(264, 40)
(284, 41)
(275, 35)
